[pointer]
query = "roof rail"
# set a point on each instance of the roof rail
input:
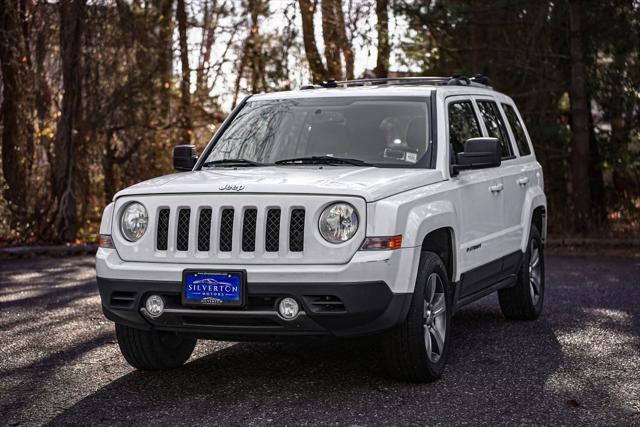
(478, 81)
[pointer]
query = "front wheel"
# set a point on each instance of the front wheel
(154, 350)
(416, 350)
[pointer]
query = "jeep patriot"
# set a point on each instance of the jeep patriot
(372, 207)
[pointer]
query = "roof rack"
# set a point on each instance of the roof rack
(478, 81)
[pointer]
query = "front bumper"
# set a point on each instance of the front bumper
(340, 309)
(354, 299)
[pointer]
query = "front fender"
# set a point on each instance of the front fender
(107, 219)
(414, 220)
(424, 219)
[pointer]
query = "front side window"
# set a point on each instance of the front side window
(495, 125)
(389, 132)
(518, 130)
(463, 124)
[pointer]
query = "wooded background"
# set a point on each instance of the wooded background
(95, 94)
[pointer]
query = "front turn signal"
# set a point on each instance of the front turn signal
(382, 243)
(106, 241)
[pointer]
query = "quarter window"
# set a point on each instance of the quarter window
(495, 126)
(518, 130)
(463, 124)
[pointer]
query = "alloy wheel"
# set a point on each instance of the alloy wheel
(434, 317)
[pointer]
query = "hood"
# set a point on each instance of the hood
(369, 183)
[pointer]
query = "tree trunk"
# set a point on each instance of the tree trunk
(598, 199)
(345, 45)
(256, 7)
(580, 157)
(317, 68)
(68, 135)
(15, 112)
(206, 47)
(384, 49)
(165, 55)
(331, 40)
(185, 82)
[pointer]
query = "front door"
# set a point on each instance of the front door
(480, 200)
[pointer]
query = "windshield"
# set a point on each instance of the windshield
(383, 132)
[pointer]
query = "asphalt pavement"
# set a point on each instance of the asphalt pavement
(579, 363)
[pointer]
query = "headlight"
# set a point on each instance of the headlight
(338, 223)
(133, 222)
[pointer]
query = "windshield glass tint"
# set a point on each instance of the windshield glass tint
(384, 132)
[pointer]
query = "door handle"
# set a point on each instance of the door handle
(496, 188)
(523, 181)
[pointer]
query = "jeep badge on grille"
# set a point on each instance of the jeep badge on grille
(228, 187)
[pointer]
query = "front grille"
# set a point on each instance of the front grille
(272, 231)
(226, 230)
(204, 230)
(182, 235)
(296, 231)
(162, 234)
(249, 230)
(256, 224)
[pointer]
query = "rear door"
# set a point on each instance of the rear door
(479, 200)
(519, 175)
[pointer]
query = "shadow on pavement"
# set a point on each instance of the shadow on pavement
(338, 382)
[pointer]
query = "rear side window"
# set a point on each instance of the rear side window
(518, 130)
(495, 125)
(463, 124)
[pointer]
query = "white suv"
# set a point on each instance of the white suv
(367, 207)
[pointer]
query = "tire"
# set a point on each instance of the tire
(154, 350)
(524, 300)
(405, 346)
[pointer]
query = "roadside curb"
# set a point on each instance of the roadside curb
(590, 241)
(91, 248)
(48, 250)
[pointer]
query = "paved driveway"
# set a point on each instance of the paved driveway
(578, 364)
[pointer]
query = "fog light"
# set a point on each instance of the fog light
(154, 306)
(288, 308)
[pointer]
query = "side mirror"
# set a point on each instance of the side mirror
(479, 153)
(184, 157)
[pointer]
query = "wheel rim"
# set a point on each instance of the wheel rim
(535, 272)
(434, 317)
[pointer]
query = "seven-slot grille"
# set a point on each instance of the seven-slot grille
(209, 228)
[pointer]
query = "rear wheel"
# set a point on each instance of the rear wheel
(417, 349)
(154, 350)
(524, 300)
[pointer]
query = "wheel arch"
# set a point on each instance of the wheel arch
(534, 212)
(434, 226)
(441, 241)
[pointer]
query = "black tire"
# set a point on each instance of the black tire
(522, 301)
(405, 346)
(154, 350)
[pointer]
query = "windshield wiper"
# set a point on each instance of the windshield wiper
(323, 160)
(231, 162)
